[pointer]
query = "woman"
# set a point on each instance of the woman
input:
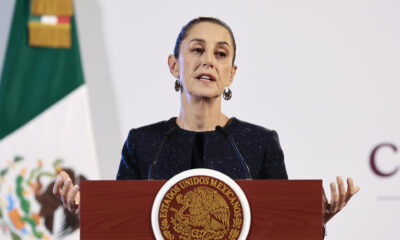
(203, 65)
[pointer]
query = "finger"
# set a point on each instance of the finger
(64, 175)
(351, 188)
(77, 201)
(71, 198)
(324, 199)
(65, 187)
(334, 197)
(350, 185)
(325, 203)
(64, 191)
(324, 195)
(78, 197)
(342, 192)
(57, 186)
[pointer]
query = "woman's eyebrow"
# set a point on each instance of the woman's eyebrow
(223, 43)
(203, 41)
(198, 40)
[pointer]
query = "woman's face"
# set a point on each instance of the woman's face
(204, 66)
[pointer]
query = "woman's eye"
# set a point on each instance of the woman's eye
(198, 50)
(221, 54)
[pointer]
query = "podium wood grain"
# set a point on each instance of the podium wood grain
(280, 209)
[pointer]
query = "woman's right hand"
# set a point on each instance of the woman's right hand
(67, 192)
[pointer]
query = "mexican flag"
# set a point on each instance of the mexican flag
(45, 124)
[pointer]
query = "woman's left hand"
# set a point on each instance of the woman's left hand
(338, 199)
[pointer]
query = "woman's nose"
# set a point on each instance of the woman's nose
(208, 59)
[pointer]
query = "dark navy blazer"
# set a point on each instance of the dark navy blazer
(259, 147)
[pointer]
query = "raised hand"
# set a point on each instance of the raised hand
(339, 199)
(67, 192)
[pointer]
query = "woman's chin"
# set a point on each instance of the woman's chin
(205, 95)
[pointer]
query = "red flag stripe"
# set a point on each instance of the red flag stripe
(64, 19)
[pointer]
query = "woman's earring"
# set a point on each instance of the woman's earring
(178, 85)
(227, 94)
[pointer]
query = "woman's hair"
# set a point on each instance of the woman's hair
(185, 29)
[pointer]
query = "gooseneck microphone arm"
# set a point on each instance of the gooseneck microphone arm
(227, 135)
(167, 136)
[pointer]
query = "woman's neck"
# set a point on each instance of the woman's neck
(201, 114)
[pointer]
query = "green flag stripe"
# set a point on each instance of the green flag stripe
(34, 18)
(34, 78)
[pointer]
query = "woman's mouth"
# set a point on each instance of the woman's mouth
(206, 77)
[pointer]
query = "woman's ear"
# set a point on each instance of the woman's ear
(232, 75)
(173, 65)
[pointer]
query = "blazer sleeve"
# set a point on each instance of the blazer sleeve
(128, 166)
(273, 162)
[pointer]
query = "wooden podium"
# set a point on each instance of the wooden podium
(280, 209)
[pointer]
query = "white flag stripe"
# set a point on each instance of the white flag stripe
(62, 131)
(49, 19)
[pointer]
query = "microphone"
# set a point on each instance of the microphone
(167, 136)
(227, 135)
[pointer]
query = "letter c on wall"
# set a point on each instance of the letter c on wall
(372, 160)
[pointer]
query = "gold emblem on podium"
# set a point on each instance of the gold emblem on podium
(200, 207)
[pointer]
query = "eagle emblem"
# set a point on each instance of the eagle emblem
(200, 208)
(205, 209)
